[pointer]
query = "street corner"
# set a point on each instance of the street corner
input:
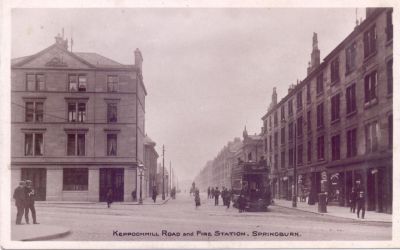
(37, 232)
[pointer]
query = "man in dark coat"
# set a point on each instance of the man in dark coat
(228, 197)
(352, 201)
(216, 196)
(223, 193)
(212, 192)
(154, 194)
(19, 196)
(208, 193)
(30, 202)
(361, 203)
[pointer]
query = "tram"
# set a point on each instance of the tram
(251, 180)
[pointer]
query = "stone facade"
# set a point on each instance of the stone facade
(77, 124)
(341, 121)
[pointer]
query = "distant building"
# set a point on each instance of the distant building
(336, 125)
(77, 124)
(150, 163)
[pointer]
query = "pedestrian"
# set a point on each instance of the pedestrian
(352, 200)
(109, 197)
(212, 192)
(154, 194)
(30, 202)
(197, 198)
(241, 203)
(228, 197)
(216, 196)
(223, 196)
(19, 196)
(361, 204)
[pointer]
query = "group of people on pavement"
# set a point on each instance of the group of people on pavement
(24, 196)
(357, 199)
(226, 195)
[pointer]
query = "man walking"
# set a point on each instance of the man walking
(216, 196)
(208, 193)
(30, 202)
(19, 196)
(361, 204)
(353, 198)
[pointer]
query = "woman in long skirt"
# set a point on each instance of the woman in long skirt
(197, 198)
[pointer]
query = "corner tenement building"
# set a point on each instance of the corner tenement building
(336, 125)
(77, 124)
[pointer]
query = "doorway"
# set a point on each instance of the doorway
(112, 178)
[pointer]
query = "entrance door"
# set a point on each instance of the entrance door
(112, 178)
(38, 178)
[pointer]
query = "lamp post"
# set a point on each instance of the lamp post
(163, 191)
(294, 199)
(141, 169)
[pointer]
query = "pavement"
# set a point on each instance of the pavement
(34, 232)
(336, 211)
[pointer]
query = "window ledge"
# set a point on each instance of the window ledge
(371, 103)
(336, 81)
(75, 191)
(335, 121)
(320, 94)
(352, 113)
(366, 59)
(348, 72)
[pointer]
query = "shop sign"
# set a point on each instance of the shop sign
(335, 179)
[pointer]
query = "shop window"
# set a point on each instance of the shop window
(112, 83)
(112, 145)
(33, 144)
(35, 82)
(371, 137)
(76, 144)
(335, 140)
(75, 179)
(370, 42)
(335, 108)
(370, 82)
(351, 143)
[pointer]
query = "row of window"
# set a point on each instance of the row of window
(76, 82)
(76, 111)
(370, 98)
(371, 145)
(76, 144)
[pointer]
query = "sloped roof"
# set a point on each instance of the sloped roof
(97, 60)
(148, 141)
(18, 59)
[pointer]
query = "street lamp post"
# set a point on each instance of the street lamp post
(294, 199)
(141, 168)
(163, 191)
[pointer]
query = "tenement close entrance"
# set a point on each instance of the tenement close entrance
(112, 178)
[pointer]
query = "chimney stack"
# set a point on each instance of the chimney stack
(138, 59)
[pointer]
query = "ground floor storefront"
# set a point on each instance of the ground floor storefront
(81, 183)
(374, 177)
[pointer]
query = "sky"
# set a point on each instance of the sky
(208, 72)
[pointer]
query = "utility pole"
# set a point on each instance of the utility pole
(170, 177)
(163, 191)
(294, 199)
